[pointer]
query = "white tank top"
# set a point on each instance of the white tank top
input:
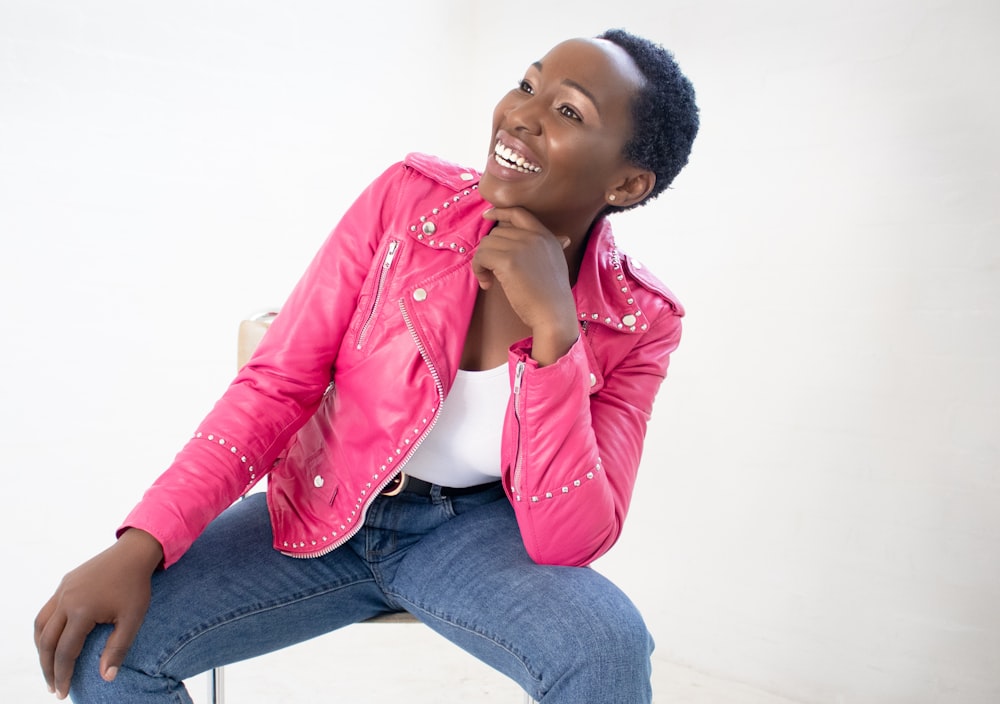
(463, 447)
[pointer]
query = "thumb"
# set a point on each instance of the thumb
(117, 648)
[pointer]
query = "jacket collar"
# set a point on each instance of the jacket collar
(603, 292)
(453, 223)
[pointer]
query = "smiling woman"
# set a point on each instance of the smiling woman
(570, 117)
(373, 407)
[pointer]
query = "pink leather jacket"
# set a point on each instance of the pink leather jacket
(353, 371)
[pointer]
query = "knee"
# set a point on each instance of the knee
(617, 636)
(607, 638)
(602, 654)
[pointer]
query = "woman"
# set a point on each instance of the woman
(451, 407)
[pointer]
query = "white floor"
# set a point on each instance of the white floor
(410, 664)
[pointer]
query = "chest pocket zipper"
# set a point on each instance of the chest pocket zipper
(383, 280)
(518, 417)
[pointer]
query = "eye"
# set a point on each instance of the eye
(569, 112)
(525, 87)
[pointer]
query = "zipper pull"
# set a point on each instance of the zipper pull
(518, 373)
(390, 254)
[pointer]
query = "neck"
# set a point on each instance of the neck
(578, 236)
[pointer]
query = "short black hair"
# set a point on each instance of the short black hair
(664, 113)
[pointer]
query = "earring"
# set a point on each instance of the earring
(611, 197)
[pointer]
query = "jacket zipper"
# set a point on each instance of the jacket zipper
(405, 458)
(438, 386)
(383, 276)
(518, 374)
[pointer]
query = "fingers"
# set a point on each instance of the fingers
(483, 275)
(59, 640)
(48, 628)
(42, 619)
(71, 640)
(520, 219)
(515, 217)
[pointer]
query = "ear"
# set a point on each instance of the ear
(633, 188)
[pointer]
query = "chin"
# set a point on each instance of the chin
(499, 194)
(491, 191)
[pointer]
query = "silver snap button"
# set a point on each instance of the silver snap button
(593, 379)
(318, 481)
(429, 228)
(420, 295)
(466, 177)
(629, 320)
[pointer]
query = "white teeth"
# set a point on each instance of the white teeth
(509, 165)
(508, 158)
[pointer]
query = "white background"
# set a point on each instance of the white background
(818, 512)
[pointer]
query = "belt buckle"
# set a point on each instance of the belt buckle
(397, 485)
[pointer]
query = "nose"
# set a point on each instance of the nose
(525, 115)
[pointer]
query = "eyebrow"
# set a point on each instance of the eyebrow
(576, 86)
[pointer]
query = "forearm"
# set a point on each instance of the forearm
(575, 437)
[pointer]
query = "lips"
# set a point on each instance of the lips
(513, 157)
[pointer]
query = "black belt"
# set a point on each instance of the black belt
(411, 485)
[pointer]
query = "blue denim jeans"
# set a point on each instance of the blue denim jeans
(565, 634)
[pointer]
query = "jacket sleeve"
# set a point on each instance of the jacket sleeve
(276, 391)
(571, 456)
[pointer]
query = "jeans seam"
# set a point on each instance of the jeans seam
(194, 634)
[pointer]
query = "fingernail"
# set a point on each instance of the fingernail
(111, 673)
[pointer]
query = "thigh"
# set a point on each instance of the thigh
(566, 634)
(232, 596)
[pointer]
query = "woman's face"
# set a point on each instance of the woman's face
(558, 135)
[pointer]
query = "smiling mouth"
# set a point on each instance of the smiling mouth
(509, 159)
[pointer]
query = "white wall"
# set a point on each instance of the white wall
(819, 509)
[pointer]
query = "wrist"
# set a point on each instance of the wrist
(551, 344)
(142, 548)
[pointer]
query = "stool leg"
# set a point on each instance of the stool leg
(216, 686)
